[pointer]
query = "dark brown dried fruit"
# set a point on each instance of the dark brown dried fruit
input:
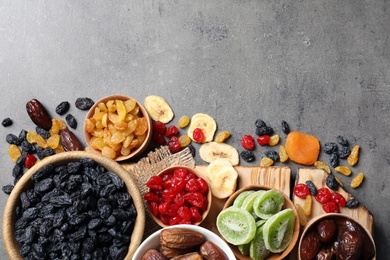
(153, 254)
(209, 250)
(84, 103)
(327, 229)
(350, 245)
(180, 238)
(71, 121)
(62, 108)
(69, 141)
(310, 246)
(6, 122)
(38, 114)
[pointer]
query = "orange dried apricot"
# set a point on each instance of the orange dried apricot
(302, 148)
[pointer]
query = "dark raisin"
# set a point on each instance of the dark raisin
(12, 139)
(334, 160)
(343, 152)
(73, 167)
(44, 152)
(192, 150)
(342, 140)
(331, 182)
(6, 122)
(312, 187)
(62, 108)
(116, 180)
(84, 103)
(17, 171)
(247, 156)
(43, 186)
(259, 123)
(272, 155)
(71, 121)
(22, 135)
(42, 132)
(285, 127)
(8, 188)
(330, 148)
(27, 147)
(352, 203)
(264, 130)
(43, 172)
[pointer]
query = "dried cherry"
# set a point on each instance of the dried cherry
(30, 161)
(323, 195)
(159, 127)
(301, 190)
(339, 199)
(171, 131)
(330, 207)
(263, 140)
(198, 135)
(174, 144)
(248, 142)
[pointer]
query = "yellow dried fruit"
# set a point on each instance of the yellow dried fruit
(41, 141)
(184, 140)
(339, 181)
(183, 121)
(322, 165)
(301, 215)
(357, 180)
(14, 152)
(53, 141)
(55, 126)
(31, 137)
(222, 136)
(343, 170)
(265, 161)
(283, 154)
(108, 152)
(274, 140)
(353, 157)
(307, 205)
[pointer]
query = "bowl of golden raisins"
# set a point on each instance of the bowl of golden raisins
(118, 127)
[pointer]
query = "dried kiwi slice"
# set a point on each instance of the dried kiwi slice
(278, 230)
(268, 204)
(241, 197)
(257, 249)
(236, 225)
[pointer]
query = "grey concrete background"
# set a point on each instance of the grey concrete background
(323, 66)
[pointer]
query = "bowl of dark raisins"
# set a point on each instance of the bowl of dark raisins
(74, 205)
(335, 234)
(118, 127)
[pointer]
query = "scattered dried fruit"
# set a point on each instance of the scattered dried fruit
(283, 157)
(6, 122)
(354, 156)
(343, 170)
(307, 206)
(222, 136)
(158, 109)
(213, 150)
(248, 142)
(263, 140)
(322, 165)
(184, 121)
(301, 215)
(62, 108)
(265, 161)
(69, 141)
(84, 103)
(206, 123)
(71, 120)
(247, 156)
(357, 181)
(274, 140)
(331, 182)
(184, 140)
(14, 152)
(38, 114)
(301, 190)
(302, 148)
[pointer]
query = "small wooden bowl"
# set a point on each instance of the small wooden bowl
(287, 204)
(209, 195)
(142, 111)
(338, 218)
(9, 218)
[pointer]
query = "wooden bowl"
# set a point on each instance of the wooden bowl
(209, 195)
(136, 151)
(9, 218)
(287, 204)
(339, 218)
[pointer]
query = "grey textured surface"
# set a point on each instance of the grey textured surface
(323, 66)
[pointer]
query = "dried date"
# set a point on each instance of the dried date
(69, 141)
(38, 114)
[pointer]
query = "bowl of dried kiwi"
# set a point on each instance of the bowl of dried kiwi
(74, 205)
(259, 222)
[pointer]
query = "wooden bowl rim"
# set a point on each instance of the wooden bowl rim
(287, 204)
(136, 152)
(209, 195)
(11, 244)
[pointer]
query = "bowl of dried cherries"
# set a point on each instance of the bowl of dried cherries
(178, 195)
(118, 127)
(74, 205)
(334, 235)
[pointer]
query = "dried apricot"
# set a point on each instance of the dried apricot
(302, 148)
(222, 136)
(357, 180)
(353, 157)
(343, 170)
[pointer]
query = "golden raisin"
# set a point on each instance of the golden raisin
(108, 152)
(53, 141)
(339, 181)
(222, 136)
(265, 161)
(353, 157)
(301, 214)
(357, 180)
(31, 137)
(274, 140)
(184, 121)
(55, 126)
(184, 140)
(307, 205)
(322, 165)
(14, 152)
(283, 154)
(343, 170)
(41, 141)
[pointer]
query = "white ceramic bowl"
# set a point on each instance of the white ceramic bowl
(153, 241)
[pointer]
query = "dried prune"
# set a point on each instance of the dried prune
(343, 152)
(71, 121)
(342, 140)
(285, 127)
(84, 103)
(330, 147)
(331, 182)
(334, 160)
(247, 156)
(272, 155)
(6, 122)
(62, 108)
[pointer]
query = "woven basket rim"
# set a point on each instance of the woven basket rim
(11, 244)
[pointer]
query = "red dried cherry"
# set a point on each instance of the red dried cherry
(194, 198)
(263, 140)
(153, 207)
(158, 138)
(301, 190)
(159, 127)
(339, 199)
(330, 207)
(168, 195)
(30, 161)
(174, 144)
(175, 220)
(203, 186)
(179, 198)
(180, 172)
(323, 195)
(155, 183)
(195, 214)
(163, 207)
(192, 185)
(171, 131)
(198, 135)
(248, 142)
(150, 196)
(184, 213)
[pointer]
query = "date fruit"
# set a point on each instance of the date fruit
(38, 114)
(188, 256)
(327, 229)
(69, 141)
(210, 251)
(153, 254)
(310, 246)
(180, 238)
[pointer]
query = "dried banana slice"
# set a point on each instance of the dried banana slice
(224, 182)
(213, 150)
(215, 166)
(204, 122)
(158, 109)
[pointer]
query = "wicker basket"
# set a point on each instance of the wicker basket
(25, 182)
